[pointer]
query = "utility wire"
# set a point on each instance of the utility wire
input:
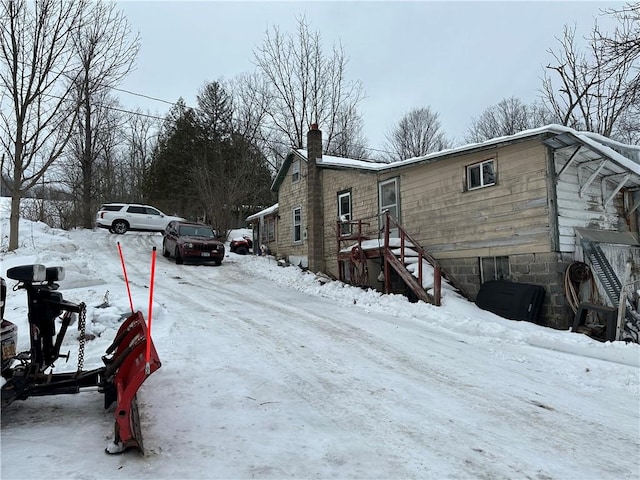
(196, 109)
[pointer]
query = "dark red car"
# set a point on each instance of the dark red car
(195, 242)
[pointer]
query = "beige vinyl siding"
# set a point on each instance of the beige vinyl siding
(364, 199)
(291, 195)
(509, 217)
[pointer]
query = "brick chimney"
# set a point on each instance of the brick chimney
(315, 217)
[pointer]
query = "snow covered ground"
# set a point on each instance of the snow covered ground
(268, 373)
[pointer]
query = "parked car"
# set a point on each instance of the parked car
(121, 217)
(241, 245)
(186, 241)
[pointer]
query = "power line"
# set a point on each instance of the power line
(197, 109)
(173, 104)
(143, 96)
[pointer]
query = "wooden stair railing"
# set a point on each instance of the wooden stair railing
(391, 260)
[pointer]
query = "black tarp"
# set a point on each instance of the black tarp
(515, 301)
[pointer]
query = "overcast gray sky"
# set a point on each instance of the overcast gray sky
(458, 58)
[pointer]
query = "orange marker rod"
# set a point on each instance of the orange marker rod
(126, 279)
(147, 368)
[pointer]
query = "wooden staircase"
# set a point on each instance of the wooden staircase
(400, 254)
(398, 263)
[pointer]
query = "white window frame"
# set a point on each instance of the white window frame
(394, 208)
(480, 166)
(296, 224)
(295, 171)
(345, 230)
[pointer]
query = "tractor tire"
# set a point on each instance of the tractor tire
(179, 260)
(120, 227)
(242, 250)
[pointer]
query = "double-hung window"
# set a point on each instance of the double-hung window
(482, 174)
(388, 200)
(295, 171)
(297, 224)
(344, 212)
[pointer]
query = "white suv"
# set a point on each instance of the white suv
(121, 217)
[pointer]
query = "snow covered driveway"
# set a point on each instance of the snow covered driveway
(267, 373)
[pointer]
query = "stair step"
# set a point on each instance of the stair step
(408, 252)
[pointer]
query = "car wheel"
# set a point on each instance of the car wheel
(241, 250)
(218, 262)
(179, 260)
(165, 252)
(120, 227)
(111, 230)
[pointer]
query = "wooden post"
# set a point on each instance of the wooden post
(622, 302)
(387, 276)
(437, 284)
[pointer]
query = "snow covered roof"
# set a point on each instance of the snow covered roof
(263, 213)
(330, 161)
(327, 161)
(626, 157)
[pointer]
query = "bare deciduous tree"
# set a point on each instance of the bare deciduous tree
(106, 52)
(36, 75)
(141, 138)
(418, 133)
(252, 104)
(620, 48)
(591, 95)
(508, 117)
(106, 137)
(623, 45)
(307, 86)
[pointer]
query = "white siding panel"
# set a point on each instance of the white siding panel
(583, 211)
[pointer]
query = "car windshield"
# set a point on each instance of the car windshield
(193, 231)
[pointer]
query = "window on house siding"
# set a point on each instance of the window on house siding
(270, 225)
(388, 199)
(494, 268)
(295, 171)
(344, 212)
(481, 174)
(297, 224)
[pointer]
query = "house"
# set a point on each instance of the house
(263, 224)
(522, 208)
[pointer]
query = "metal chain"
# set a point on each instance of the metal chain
(82, 321)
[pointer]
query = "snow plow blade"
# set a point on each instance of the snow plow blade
(134, 359)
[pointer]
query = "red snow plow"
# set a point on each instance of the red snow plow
(129, 360)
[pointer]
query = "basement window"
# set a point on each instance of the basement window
(494, 268)
(481, 174)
